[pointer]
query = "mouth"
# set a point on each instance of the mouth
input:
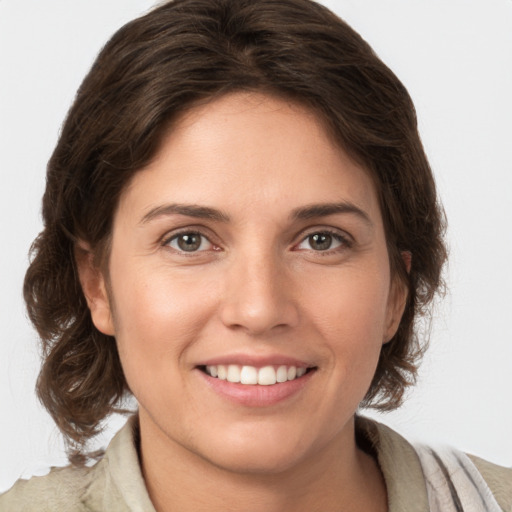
(268, 375)
(264, 383)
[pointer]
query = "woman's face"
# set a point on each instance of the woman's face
(251, 248)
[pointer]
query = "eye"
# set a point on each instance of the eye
(322, 241)
(189, 242)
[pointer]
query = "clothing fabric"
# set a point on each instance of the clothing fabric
(454, 483)
(115, 483)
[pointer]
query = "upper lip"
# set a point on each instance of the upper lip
(256, 360)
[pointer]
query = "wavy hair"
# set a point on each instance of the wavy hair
(151, 71)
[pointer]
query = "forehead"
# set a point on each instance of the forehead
(250, 149)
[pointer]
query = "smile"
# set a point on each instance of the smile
(251, 375)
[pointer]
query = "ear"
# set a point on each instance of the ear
(397, 300)
(94, 288)
(407, 259)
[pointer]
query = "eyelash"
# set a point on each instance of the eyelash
(175, 236)
(345, 241)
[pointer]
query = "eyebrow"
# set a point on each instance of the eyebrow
(190, 210)
(302, 213)
(324, 209)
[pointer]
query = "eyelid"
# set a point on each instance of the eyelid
(172, 235)
(340, 235)
(345, 238)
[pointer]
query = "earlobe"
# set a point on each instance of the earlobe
(396, 306)
(397, 299)
(407, 259)
(94, 288)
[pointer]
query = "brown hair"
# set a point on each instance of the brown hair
(153, 69)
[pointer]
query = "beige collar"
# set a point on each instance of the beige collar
(399, 464)
(118, 484)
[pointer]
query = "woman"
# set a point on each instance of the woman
(241, 227)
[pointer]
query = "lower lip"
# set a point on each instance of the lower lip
(256, 395)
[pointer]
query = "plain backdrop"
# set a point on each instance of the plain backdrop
(454, 56)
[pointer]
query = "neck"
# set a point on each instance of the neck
(337, 477)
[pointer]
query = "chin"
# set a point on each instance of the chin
(265, 452)
(241, 462)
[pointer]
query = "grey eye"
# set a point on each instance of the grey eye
(189, 242)
(322, 241)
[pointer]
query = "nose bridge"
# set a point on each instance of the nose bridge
(258, 294)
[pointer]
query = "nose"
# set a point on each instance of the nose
(258, 296)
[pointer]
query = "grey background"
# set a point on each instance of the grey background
(455, 58)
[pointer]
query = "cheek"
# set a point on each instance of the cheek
(157, 318)
(351, 304)
(350, 316)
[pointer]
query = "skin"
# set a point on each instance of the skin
(258, 286)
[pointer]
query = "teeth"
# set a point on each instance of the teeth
(267, 376)
(233, 373)
(250, 375)
(282, 374)
(221, 372)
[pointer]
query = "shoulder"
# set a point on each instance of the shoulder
(61, 489)
(115, 483)
(499, 480)
(417, 475)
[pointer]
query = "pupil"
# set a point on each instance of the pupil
(189, 242)
(320, 241)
